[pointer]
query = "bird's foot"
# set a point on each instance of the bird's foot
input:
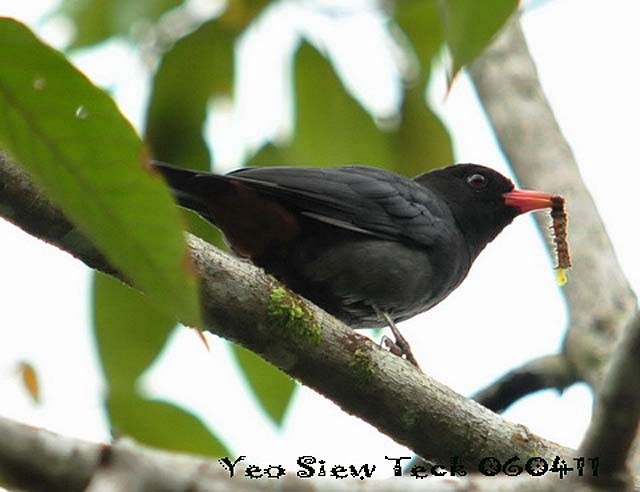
(400, 346)
(390, 345)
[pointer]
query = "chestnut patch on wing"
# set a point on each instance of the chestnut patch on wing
(251, 222)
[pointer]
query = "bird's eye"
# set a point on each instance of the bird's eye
(477, 181)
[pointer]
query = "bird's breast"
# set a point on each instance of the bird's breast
(348, 273)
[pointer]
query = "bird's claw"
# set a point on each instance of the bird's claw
(391, 346)
(400, 346)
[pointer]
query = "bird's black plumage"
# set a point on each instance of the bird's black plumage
(355, 239)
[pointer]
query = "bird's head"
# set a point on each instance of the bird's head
(482, 200)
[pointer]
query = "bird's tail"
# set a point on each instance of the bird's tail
(252, 221)
(192, 189)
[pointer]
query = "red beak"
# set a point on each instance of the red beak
(527, 200)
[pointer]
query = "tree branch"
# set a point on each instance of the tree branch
(549, 371)
(22, 203)
(616, 416)
(39, 460)
(243, 304)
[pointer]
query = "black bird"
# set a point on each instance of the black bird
(365, 244)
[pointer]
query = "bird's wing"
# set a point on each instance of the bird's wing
(364, 199)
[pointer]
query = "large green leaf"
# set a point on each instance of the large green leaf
(98, 20)
(196, 68)
(161, 424)
(240, 13)
(130, 331)
(332, 128)
(85, 154)
(271, 387)
(421, 142)
(420, 21)
(178, 107)
(180, 94)
(470, 25)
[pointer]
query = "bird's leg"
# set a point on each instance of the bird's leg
(400, 346)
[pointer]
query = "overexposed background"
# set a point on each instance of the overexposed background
(508, 310)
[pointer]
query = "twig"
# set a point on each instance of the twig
(549, 371)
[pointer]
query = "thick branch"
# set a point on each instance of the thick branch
(243, 304)
(598, 294)
(39, 460)
(22, 203)
(616, 415)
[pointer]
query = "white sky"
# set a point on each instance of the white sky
(508, 310)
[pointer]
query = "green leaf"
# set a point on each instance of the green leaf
(178, 105)
(272, 388)
(335, 130)
(332, 129)
(420, 21)
(130, 331)
(421, 142)
(180, 95)
(97, 20)
(204, 230)
(240, 13)
(87, 157)
(161, 424)
(470, 25)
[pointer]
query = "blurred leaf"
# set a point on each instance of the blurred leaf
(29, 378)
(162, 424)
(178, 107)
(240, 13)
(130, 331)
(332, 129)
(420, 21)
(421, 142)
(191, 72)
(335, 130)
(272, 388)
(84, 153)
(204, 230)
(196, 68)
(470, 25)
(98, 20)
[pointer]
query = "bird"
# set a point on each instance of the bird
(369, 246)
